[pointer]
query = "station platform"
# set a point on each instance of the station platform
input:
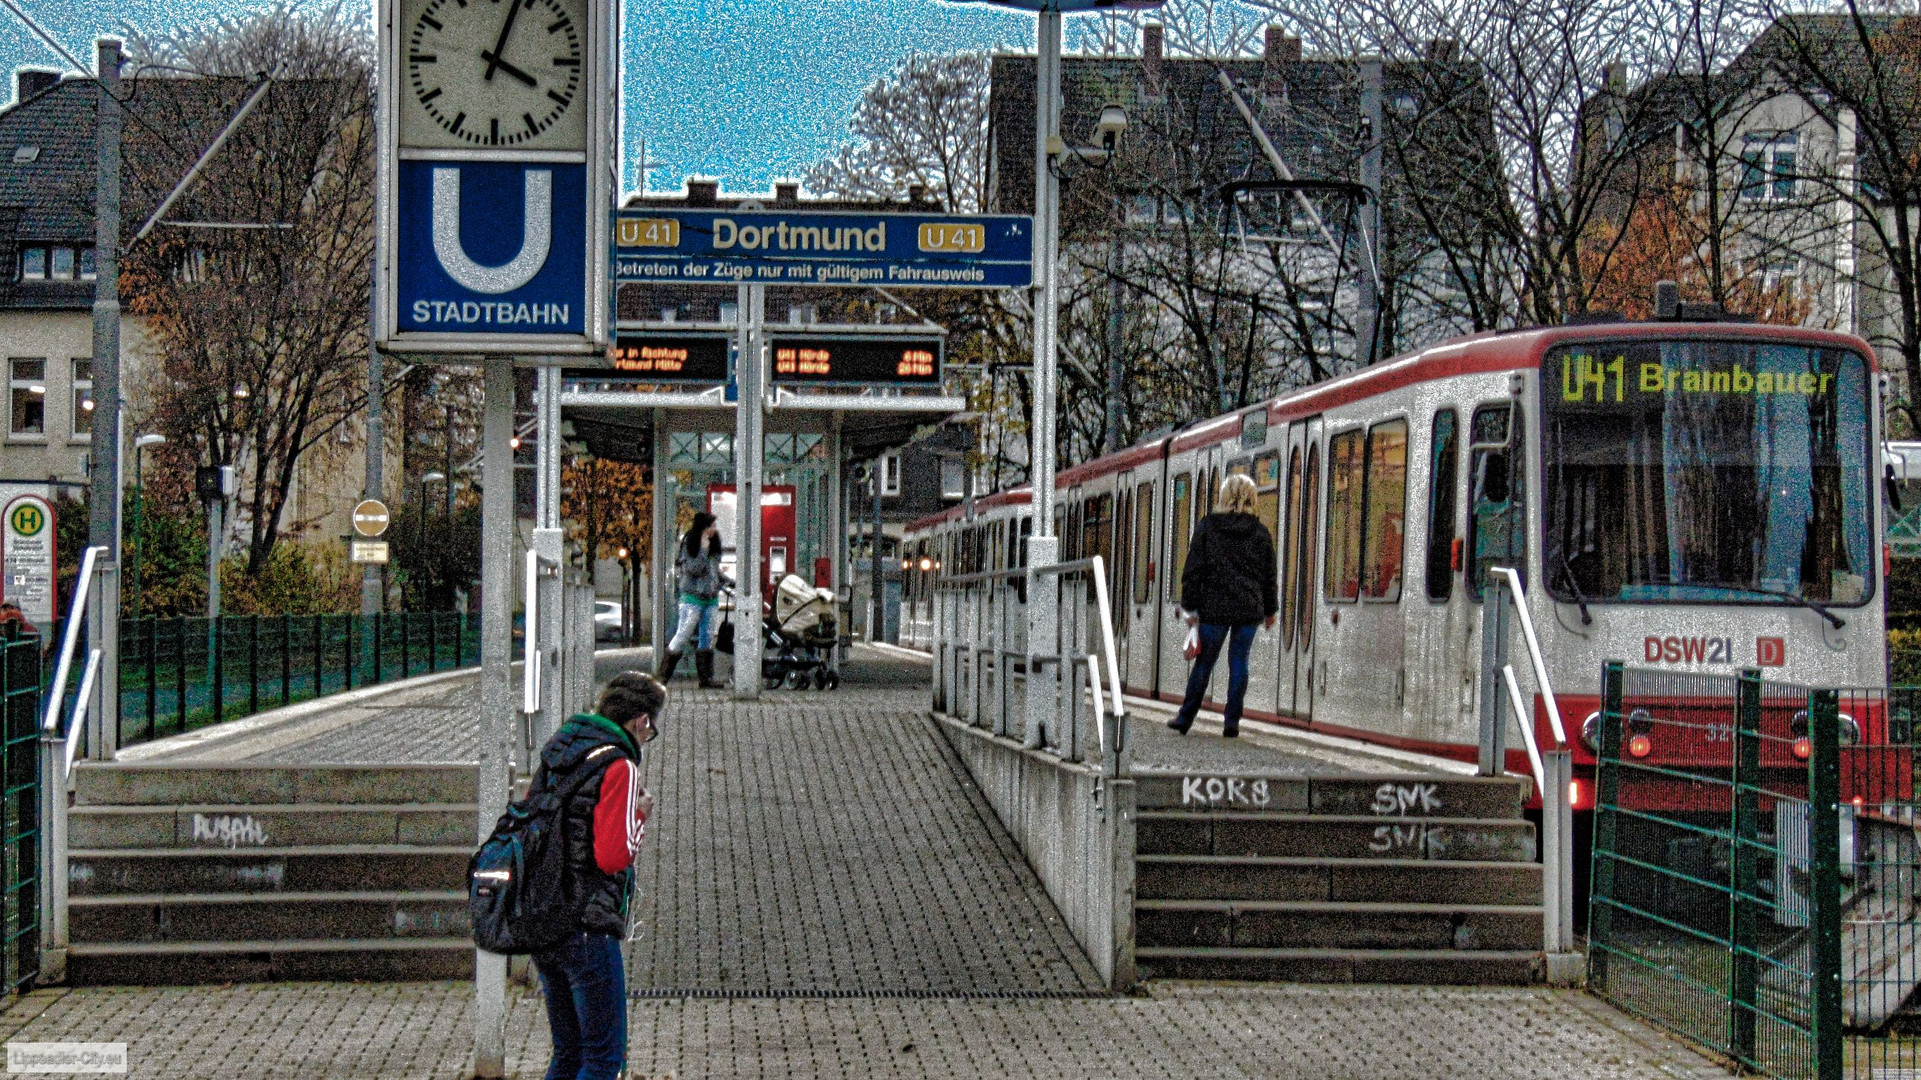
(824, 894)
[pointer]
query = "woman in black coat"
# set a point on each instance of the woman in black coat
(1228, 588)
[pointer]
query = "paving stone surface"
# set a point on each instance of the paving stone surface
(419, 1031)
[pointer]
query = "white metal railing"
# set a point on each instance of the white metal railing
(60, 738)
(984, 654)
(1552, 766)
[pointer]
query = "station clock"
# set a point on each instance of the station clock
(493, 74)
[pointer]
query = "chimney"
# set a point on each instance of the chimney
(1443, 50)
(1617, 78)
(787, 193)
(28, 82)
(1153, 44)
(703, 192)
(1280, 49)
(916, 193)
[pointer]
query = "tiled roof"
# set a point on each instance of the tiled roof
(48, 158)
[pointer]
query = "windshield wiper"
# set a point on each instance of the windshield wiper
(1795, 598)
(1567, 569)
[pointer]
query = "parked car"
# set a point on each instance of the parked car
(606, 620)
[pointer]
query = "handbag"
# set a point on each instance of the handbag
(724, 637)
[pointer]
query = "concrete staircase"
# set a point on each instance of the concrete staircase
(1392, 879)
(245, 873)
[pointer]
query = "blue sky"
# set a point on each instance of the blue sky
(744, 90)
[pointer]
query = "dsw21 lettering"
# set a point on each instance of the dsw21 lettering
(1689, 650)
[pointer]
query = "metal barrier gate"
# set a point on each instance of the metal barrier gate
(1757, 878)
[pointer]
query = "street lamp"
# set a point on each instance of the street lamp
(140, 443)
(420, 532)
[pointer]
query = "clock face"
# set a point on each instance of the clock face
(487, 74)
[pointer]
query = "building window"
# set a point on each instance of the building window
(28, 383)
(86, 264)
(953, 478)
(729, 313)
(33, 264)
(1143, 210)
(890, 473)
(82, 395)
(60, 263)
(1767, 167)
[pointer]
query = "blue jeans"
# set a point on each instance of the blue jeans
(586, 984)
(1241, 643)
(694, 617)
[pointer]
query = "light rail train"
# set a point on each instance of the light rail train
(1688, 497)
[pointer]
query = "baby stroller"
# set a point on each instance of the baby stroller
(800, 634)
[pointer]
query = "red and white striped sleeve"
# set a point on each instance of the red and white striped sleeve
(618, 823)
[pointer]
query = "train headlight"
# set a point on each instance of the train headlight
(1803, 748)
(1591, 731)
(1640, 745)
(1640, 721)
(1849, 733)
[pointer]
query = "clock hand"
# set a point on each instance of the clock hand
(495, 61)
(500, 43)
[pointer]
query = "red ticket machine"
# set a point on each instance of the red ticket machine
(777, 537)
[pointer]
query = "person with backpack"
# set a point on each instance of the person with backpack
(698, 574)
(554, 878)
(1227, 587)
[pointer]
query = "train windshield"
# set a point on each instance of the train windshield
(1706, 471)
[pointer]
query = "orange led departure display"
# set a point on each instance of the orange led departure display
(857, 360)
(678, 358)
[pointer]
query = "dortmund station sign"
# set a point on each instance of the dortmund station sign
(780, 247)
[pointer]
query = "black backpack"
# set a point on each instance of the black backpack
(518, 895)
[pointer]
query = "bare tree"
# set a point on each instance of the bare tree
(261, 325)
(924, 124)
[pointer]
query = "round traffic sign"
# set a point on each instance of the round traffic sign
(28, 518)
(371, 517)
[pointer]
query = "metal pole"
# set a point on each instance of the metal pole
(1367, 322)
(104, 509)
(497, 718)
(660, 560)
(1824, 882)
(1043, 597)
(876, 585)
(373, 579)
(549, 542)
(133, 556)
(747, 481)
(1493, 743)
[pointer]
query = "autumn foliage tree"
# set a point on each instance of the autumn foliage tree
(1662, 240)
(608, 505)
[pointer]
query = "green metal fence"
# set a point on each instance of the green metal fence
(178, 674)
(20, 881)
(1756, 879)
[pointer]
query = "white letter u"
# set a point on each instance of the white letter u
(535, 238)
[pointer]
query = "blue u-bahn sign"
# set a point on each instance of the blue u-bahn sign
(492, 248)
(793, 247)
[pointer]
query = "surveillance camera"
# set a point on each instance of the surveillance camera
(1109, 128)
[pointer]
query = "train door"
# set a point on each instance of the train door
(1300, 506)
(1365, 632)
(1143, 584)
(1178, 529)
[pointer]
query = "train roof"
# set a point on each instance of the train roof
(1482, 353)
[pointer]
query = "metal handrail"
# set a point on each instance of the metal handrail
(1098, 568)
(80, 704)
(1534, 655)
(1527, 730)
(88, 562)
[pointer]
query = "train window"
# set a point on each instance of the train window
(1384, 528)
(1179, 531)
(1117, 565)
(1496, 527)
(1267, 503)
(1143, 541)
(1310, 528)
(1443, 477)
(1290, 550)
(1097, 515)
(1346, 476)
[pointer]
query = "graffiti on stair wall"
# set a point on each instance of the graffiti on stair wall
(1231, 790)
(229, 830)
(1401, 799)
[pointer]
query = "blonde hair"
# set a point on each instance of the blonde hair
(1238, 494)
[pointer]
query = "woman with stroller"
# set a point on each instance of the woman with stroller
(697, 568)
